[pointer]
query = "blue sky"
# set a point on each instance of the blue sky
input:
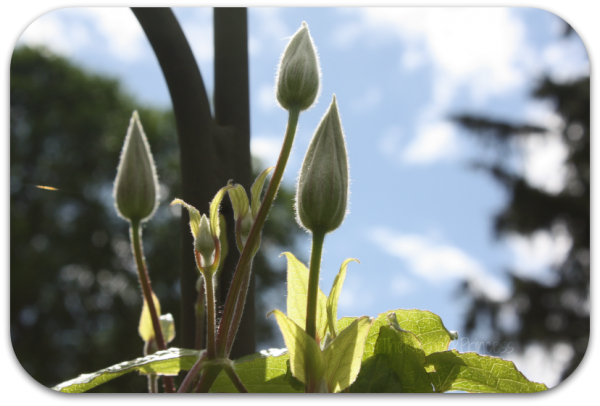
(420, 219)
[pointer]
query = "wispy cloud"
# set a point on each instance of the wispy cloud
(266, 148)
(437, 261)
(113, 30)
(433, 142)
(534, 256)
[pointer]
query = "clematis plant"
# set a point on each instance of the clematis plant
(398, 351)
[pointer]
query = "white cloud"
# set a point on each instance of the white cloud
(544, 155)
(266, 149)
(433, 142)
(112, 29)
(438, 262)
(539, 365)
(479, 52)
(534, 256)
(480, 48)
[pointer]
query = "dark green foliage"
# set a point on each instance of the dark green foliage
(75, 301)
(554, 311)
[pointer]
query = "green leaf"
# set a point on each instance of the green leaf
(306, 359)
(297, 281)
(239, 201)
(406, 357)
(167, 325)
(264, 372)
(334, 295)
(224, 244)
(145, 328)
(168, 362)
(376, 376)
(257, 189)
(343, 355)
(214, 210)
(194, 215)
(472, 372)
(428, 328)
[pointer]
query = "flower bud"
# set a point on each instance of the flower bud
(204, 243)
(322, 194)
(298, 76)
(136, 185)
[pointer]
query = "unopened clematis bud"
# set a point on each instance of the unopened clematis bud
(322, 194)
(136, 185)
(204, 243)
(298, 77)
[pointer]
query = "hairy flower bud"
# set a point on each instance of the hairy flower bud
(322, 194)
(136, 185)
(205, 243)
(298, 77)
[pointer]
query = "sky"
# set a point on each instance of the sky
(420, 219)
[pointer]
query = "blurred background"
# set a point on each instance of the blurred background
(468, 139)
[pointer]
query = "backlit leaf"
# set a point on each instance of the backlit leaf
(168, 362)
(472, 372)
(334, 295)
(257, 190)
(145, 328)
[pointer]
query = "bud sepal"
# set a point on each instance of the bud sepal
(136, 185)
(298, 77)
(322, 193)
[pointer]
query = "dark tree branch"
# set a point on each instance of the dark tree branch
(212, 150)
(232, 110)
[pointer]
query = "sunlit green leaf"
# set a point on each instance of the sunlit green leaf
(239, 201)
(145, 328)
(264, 372)
(168, 362)
(334, 295)
(376, 376)
(297, 283)
(428, 328)
(194, 215)
(214, 210)
(344, 354)
(306, 359)
(406, 357)
(257, 189)
(472, 372)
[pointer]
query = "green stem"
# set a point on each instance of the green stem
(192, 374)
(211, 321)
(313, 283)
(235, 379)
(209, 375)
(236, 295)
(135, 232)
(152, 384)
(200, 314)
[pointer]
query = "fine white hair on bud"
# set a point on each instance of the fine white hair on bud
(322, 193)
(136, 186)
(298, 77)
(205, 243)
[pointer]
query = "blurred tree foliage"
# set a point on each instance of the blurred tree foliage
(555, 311)
(74, 302)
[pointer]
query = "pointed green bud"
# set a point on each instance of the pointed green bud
(322, 193)
(256, 190)
(136, 185)
(205, 243)
(298, 76)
